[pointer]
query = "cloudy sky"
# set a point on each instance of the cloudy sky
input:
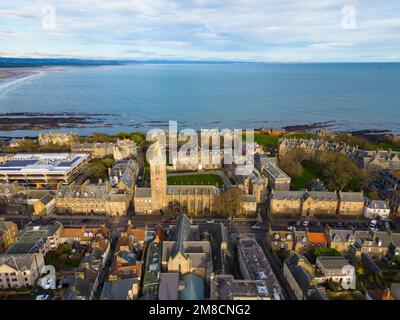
(254, 30)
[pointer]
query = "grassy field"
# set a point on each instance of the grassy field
(196, 179)
(385, 146)
(300, 135)
(265, 140)
(310, 173)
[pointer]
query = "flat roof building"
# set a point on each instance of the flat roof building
(30, 242)
(255, 266)
(225, 287)
(35, 239)
(42, 168)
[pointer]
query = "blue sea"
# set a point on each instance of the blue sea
(353, 96)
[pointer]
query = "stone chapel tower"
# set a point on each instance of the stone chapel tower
(158, 179)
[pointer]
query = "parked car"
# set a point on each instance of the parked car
(373, 223)
(210, 221)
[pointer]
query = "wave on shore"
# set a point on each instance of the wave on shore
(10, 82)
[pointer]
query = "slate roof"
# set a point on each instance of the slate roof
(168, 286)
(17, 261)
(333, 263)
(143, 193)
(315, 293)
(183, 232)
(276, 172)
(322, 195)
(378, 204)
(395, 239)
(352, 196)
(194, 288)
(300, 274)
(362, 236)
(300, 236)
(47, 198)
(80, 289)
(118, 289)
(341, 235)
(288, 195)
(384, 237)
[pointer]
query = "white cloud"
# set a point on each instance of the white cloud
(330, 45)
(240, 29)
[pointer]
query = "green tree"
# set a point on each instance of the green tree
(108, 162)
(123, 135)
(101, 137)
(291, 162)
(26, 145)
(323, 252)
(97, 169)
(340, 173)
(333, 285)
(396, 260)
(138, 137)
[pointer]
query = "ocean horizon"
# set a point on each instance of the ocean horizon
(350, 96)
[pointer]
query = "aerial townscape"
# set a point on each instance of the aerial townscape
(192, 159)
(93, 218)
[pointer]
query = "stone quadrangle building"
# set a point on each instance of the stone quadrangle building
(191, 199)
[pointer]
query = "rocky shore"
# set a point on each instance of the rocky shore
(45, 121)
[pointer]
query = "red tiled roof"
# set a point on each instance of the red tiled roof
(317, 237)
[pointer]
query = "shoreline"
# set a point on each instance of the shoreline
(88, 123)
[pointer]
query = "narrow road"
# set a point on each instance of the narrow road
(277, 268)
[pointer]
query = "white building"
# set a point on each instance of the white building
(20, 270)
(377, 209)
(42, 168)
(336, 269)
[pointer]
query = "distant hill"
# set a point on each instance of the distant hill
(37, 62)
(33, 62)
